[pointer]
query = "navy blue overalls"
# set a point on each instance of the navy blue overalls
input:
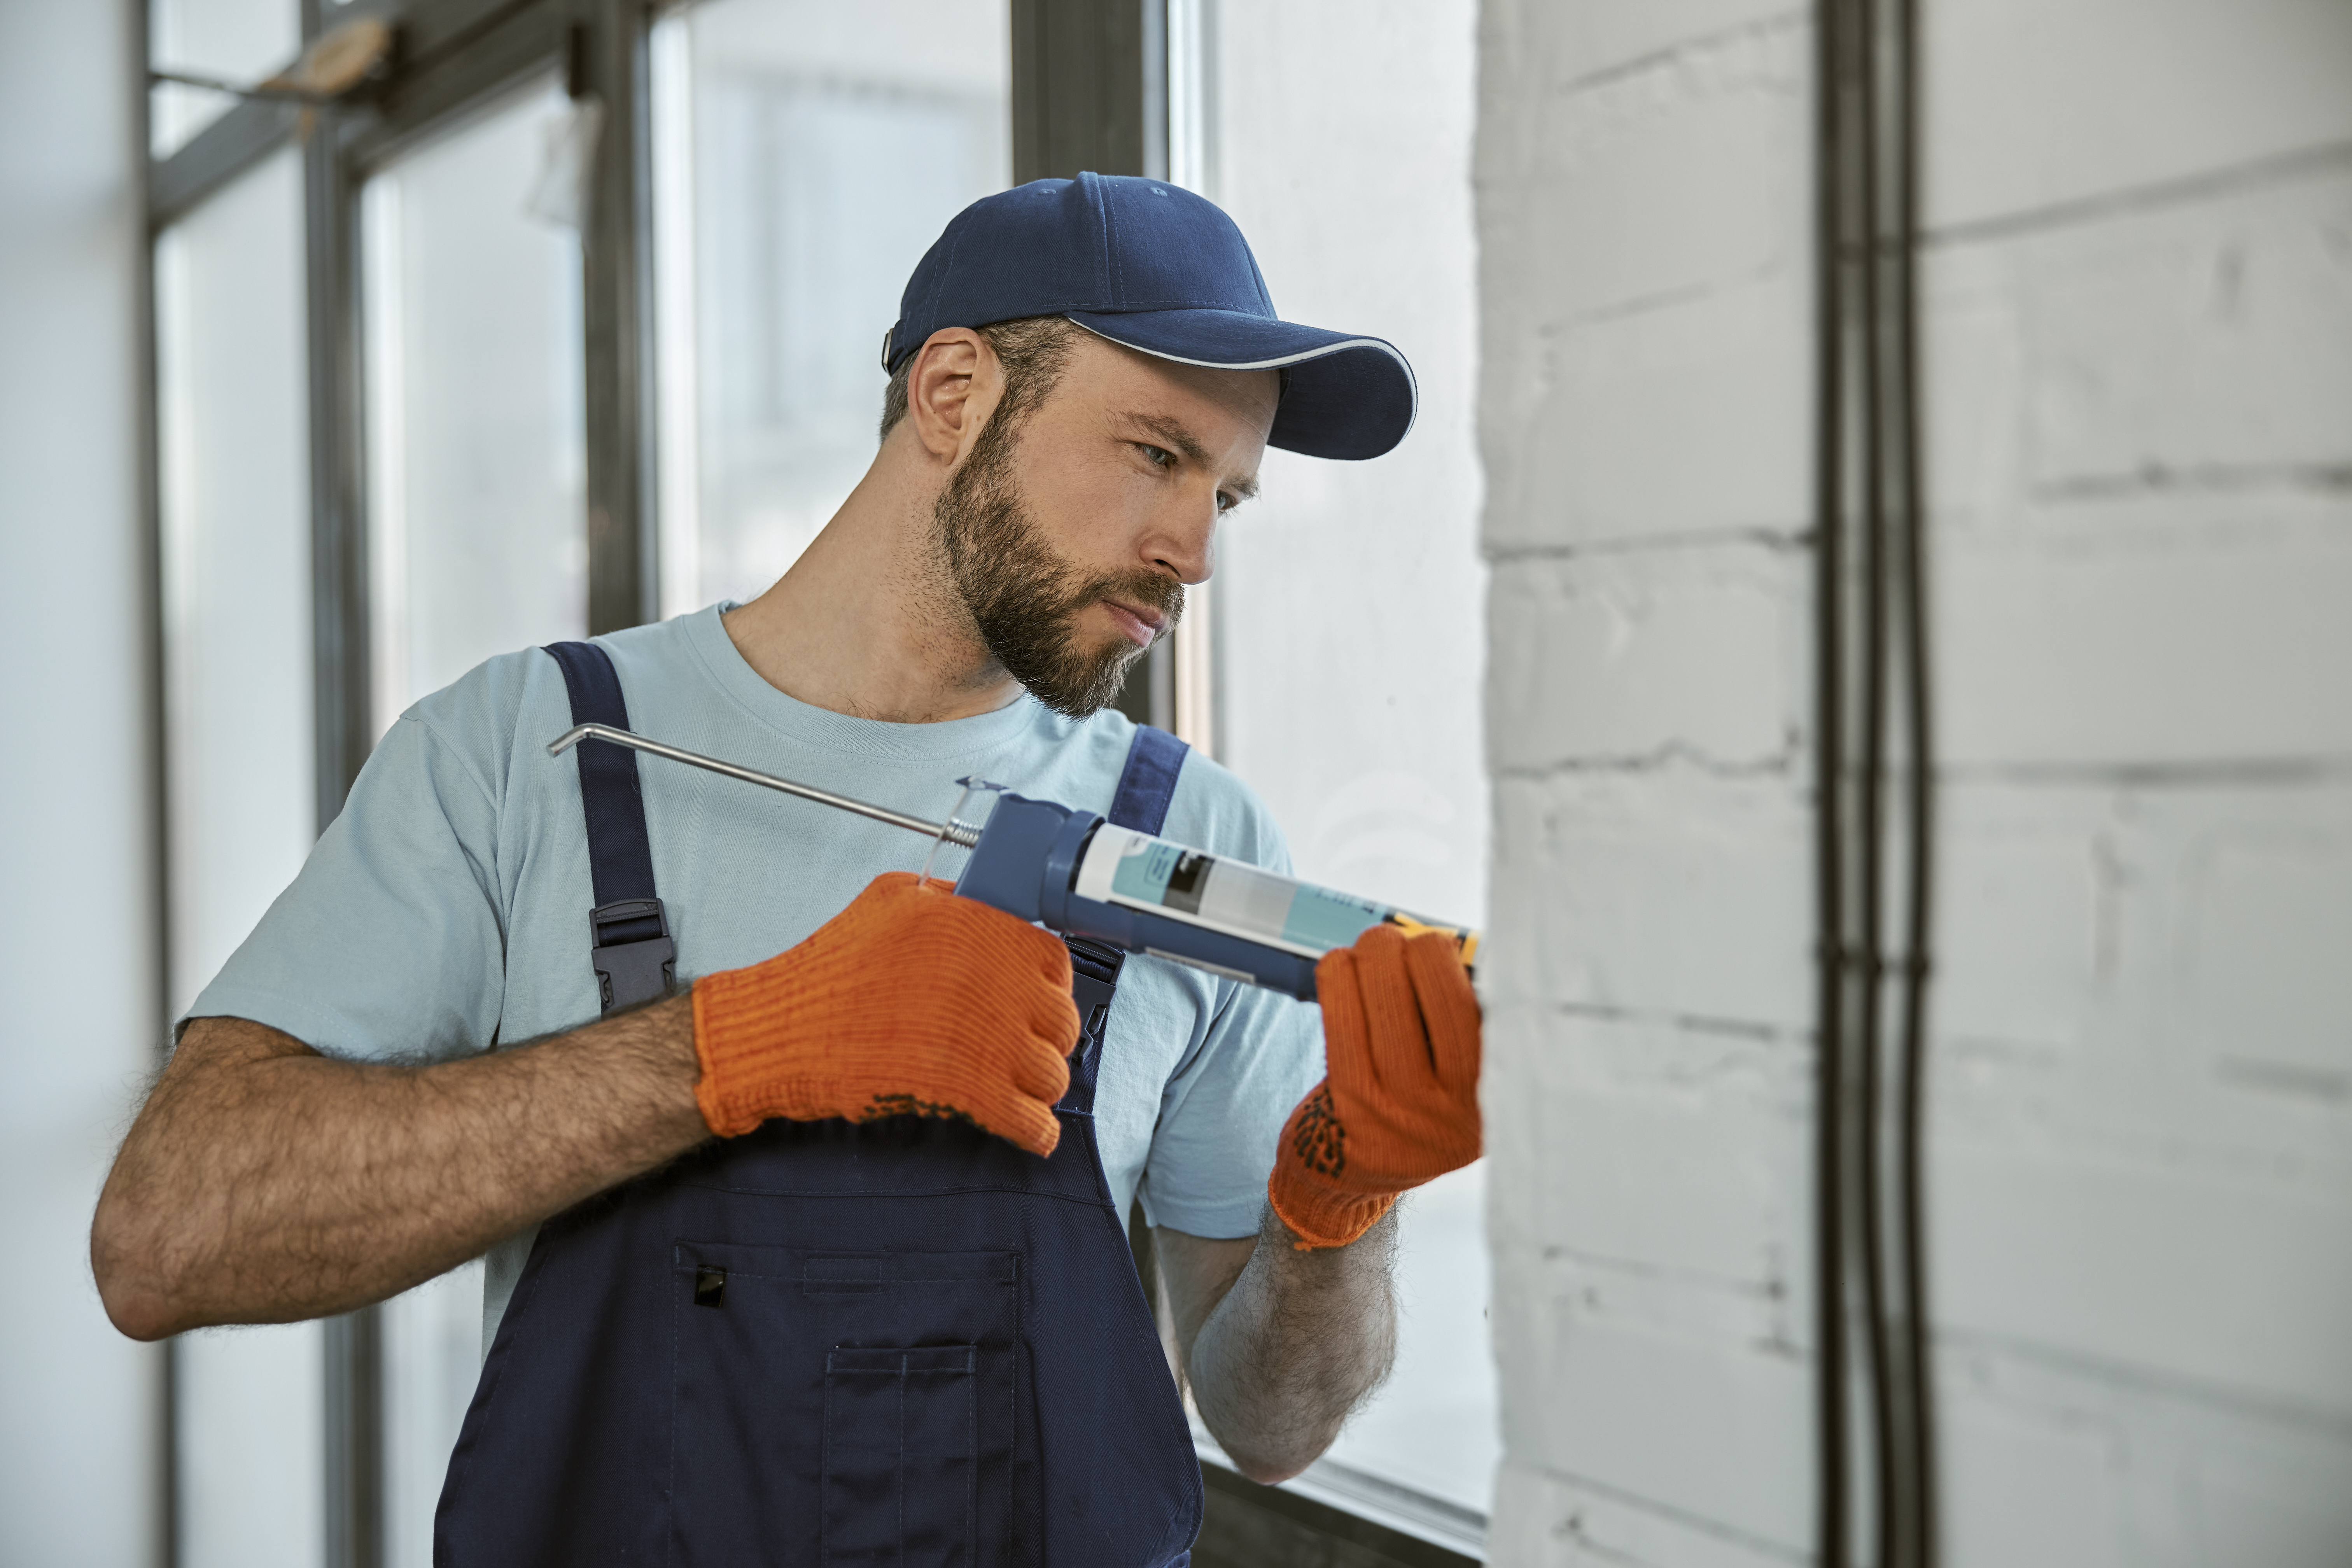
(902, 1342)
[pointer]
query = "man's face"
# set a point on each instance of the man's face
(1071, 535)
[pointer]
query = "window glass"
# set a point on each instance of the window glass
(478, 545)
(433, 1356)
(1350, 597)
(240, 41)
(240, 804)
(477, 456)
(806, 154)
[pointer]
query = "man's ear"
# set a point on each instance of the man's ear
(951, 391)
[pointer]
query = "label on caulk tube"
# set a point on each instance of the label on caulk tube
(1124, 867)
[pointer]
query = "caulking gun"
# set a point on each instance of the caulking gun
(1078, 876)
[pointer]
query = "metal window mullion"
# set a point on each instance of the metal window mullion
(1079, 100)
(352, 1344)
(341, 640)
(213, 159)
(429, 95)
(623, 577)
(1090, 93)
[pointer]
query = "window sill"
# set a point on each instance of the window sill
(1383, 1523)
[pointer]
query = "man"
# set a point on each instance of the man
(887, 1313)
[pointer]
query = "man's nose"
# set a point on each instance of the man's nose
(1183, 540)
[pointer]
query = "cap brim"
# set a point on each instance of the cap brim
(1347, 396)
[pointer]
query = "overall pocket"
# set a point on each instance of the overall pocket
(901, 1455)
(835, 1407)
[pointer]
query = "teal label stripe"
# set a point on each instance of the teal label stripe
(1325, 920)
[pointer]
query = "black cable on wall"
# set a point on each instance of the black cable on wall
(1874, 787)
(1919, 715)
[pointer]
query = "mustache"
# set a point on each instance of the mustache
(1146, 590)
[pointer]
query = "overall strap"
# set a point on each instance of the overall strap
(1149, 781)
(629, 942)
(1145, 786)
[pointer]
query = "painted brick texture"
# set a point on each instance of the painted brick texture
(1643, 417)
(2138, 304)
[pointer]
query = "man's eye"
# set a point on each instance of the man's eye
(1226, 502)
(1160, 457)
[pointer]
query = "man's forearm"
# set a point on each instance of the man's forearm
(1296, 1342)
(265, 1183)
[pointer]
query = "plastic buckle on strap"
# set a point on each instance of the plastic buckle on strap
(633, 964)
(1094, 980)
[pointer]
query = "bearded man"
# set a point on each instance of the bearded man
(819, 1258)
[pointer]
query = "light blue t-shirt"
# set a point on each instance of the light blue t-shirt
(446, 910)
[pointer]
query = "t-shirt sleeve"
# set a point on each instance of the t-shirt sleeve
(1222, 1112)
(389, 942)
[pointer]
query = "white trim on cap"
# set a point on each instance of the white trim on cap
(1412, 382)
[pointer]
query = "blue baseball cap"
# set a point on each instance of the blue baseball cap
(1153, 267)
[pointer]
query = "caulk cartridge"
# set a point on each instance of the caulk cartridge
(1076, 874)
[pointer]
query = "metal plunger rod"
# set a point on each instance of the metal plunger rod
(955, 833)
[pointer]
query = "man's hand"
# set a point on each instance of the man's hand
(1400, 1105)
(910, 1001)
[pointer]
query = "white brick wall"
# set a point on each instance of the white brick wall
(1655, 893)
(2138, 318)
(1620, 659)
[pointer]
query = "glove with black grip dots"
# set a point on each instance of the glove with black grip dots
(1400, 1104)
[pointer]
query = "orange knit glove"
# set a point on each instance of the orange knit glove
(910, 1001)
(1400, 1105)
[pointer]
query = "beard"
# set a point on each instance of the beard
(1024, 598)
